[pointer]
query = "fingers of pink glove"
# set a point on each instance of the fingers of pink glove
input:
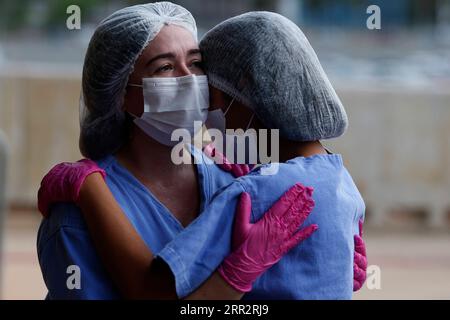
(236, 170)
(209, 150)
(245, 169)
(360, 260)
(299, 237)
(281, 207)
(63, 182)
(302, 207)
(219, 159)
(42, 202)
(242, 223)
(358, 273)
(239, 170)
(360, 246)
(361, 228)
(299, 211)
(357, 285)
(87, 168)
(226, 167)
(52, 188)
(223, 162)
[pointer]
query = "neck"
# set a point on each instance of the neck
(146, 157)
(293, 149)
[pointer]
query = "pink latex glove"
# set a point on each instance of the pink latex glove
(237, 170)
(63, 183)
(360, 260)
(258, 246)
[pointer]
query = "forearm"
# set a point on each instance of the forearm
(127, 258)
(125, 255)
(215, 288)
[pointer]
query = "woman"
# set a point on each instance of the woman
(159, 197)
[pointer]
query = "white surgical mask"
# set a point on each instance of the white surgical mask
(216, 118)
(173, 103)
(246, 147)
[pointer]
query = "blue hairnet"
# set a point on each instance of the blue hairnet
(265, 61)
(113, 50)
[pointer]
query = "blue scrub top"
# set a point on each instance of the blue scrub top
(64, 240)
(321, 267)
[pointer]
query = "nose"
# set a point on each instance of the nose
(183, 70)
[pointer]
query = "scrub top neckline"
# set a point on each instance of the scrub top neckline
(328, 156)
(202, 175)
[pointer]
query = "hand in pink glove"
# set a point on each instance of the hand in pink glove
(360, 260)
(63, 183)
(256, 247)
(237, 170)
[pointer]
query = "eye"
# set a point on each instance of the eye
(165, 68)
(197, 64)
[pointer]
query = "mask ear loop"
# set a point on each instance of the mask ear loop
(250, 122)
(134, 117)
(136, 85)
(229, 106)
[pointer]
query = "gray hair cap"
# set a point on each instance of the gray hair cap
(265, 61)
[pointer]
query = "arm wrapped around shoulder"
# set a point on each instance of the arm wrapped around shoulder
(63, 183)
(258, 246)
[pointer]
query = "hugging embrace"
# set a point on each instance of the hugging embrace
(139, 226)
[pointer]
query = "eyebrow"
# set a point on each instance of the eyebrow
(193, 51)
(171, 55)
(161, 56)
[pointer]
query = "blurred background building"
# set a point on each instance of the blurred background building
(394, 83)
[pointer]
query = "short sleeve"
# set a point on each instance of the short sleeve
(69, 263)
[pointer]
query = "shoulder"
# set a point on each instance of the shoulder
(107, 163)
(318, 170)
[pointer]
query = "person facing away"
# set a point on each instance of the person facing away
(265, 75)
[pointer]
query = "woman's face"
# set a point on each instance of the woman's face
(172, 53)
